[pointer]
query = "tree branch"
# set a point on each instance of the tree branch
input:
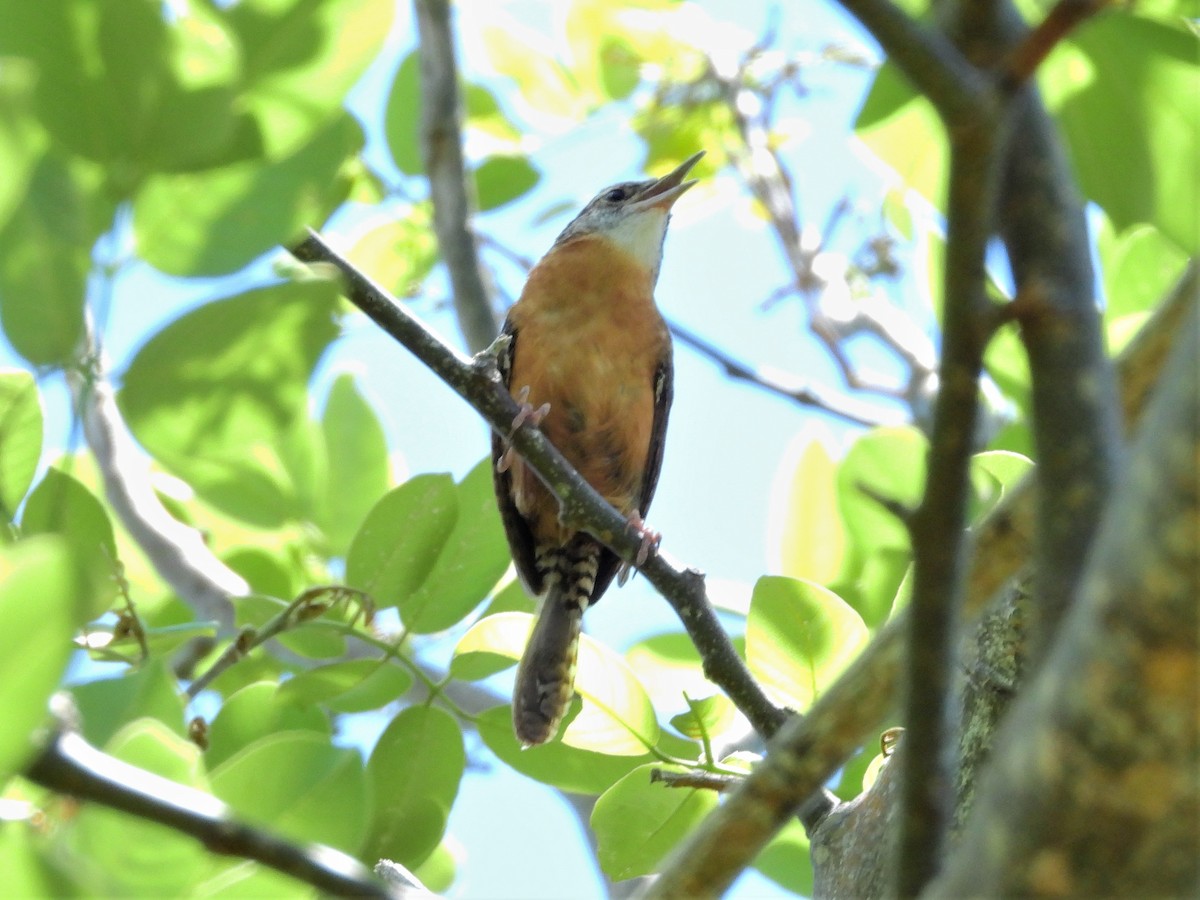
(441, 149)
(931, 63)
(939, 523)
(1033, 50)
(1075, 419)
(1103, 748)
(580, 506)
(67, 764)
(177, 551)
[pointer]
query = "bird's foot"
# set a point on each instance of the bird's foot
(650, 541)
(528, 415)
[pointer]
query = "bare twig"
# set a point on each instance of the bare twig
(441, 150)
(580, 506)
(1033, 50)
(69, 765)
(786, 386)
(705, 781)
(303, 608)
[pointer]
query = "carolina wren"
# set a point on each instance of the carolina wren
(590, 348)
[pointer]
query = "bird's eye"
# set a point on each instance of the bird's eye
(616, 195)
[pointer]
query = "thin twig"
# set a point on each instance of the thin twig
(580, 506)
(302, 609)
(69, 765)
(704, 781)
(441, 151)
(1028, 55)
(788, 387)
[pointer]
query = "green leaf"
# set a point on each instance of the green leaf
(37, 617)
(472, 558)
(301, 59)
(520, 53)
(637, 822)
(705, 718)
(491, 645)
(1140, 265)
(301, 786)
(556, 764)
(354, 685)
(357, 462)
(1121, 89)
(873, 591)
(398, 544)
(510, 598)
(415, 770)
(484, 115)
(213, 394)
(61, 505)
(255, 712)
(1007, 362)
(891, 462)
(216, 221)
(129, 856)
(669, 666)
(400, 253)
(903, 130)
(616, 718)
(43, 269)
(107, 704)
(787, 860)
(799, 638)
(22, 140)
(1000, 470)
(126, 86)
(27, 860)
(267, 573)
(806, 524)
(20, 437)
(439, 869)
(502, 179)
(402, 116)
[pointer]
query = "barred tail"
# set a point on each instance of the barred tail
(546, 674)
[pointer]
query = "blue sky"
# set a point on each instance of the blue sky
(726, 443)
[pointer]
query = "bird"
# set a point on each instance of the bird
(589, 360)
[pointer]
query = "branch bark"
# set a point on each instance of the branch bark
(441, 149)
(67, 764)
(177, 551)
(1102, 751)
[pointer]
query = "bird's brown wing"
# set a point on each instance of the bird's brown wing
(520, 538)
(664, 393)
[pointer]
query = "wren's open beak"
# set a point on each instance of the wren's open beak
(663, 193)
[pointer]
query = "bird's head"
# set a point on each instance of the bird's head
(634, 215)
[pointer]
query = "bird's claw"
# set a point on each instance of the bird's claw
(650, 541)
(527, 415)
